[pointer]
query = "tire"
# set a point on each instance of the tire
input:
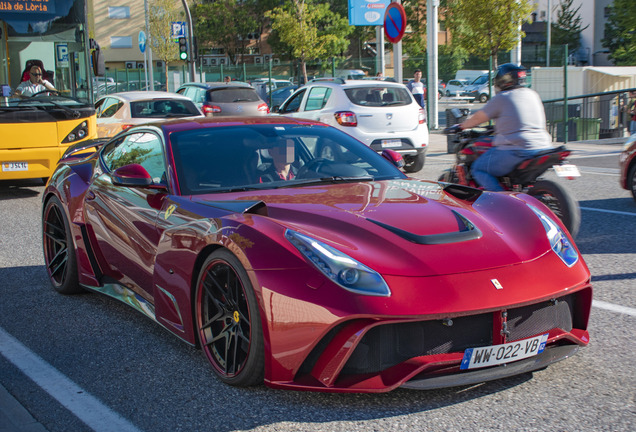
(228, 321)
(631, 180)
(58, 248)
(449, 176)
(483, 98)
(558, 199)
(413, 164)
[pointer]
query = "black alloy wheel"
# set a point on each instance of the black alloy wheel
(58, 248)
(228, 321)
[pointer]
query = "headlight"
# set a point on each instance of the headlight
(339, 267)
(558, 240)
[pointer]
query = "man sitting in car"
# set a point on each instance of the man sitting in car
(34, 85)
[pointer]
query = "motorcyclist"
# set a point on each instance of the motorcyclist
(520, 127)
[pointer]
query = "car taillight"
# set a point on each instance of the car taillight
(421, 116)
(263, 108)
(210, 109)
(126, 126)
(346, 118)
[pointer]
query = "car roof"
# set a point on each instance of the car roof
(133, 96)
(217, 84)
(354, 83)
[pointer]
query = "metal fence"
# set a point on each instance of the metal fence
(589, 117)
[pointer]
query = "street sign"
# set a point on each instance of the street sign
(367, 12)
(177, 29)
(394, 22)
(61, 55)
(142, 41)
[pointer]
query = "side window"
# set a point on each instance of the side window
(109, 107)
(144, 148)
(293, 104)
(317, 99)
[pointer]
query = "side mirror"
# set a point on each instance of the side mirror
(394, 157)
(133, 175)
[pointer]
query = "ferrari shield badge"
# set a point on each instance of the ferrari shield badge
(169, 211)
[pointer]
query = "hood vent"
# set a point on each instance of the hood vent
(467, 231)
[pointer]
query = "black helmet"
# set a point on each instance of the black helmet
(510, 76)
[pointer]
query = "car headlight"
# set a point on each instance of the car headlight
(339, 267)
(559, 241)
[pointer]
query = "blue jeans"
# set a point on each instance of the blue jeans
(498, 162)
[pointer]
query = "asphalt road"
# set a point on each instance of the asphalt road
(99, 360)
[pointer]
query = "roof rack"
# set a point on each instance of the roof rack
(331, 79)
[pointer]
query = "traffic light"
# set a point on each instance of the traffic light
(183, 48)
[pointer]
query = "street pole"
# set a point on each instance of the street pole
(397, 57)
(549, 36)
(151, 83)
(193, 73)
(431, 49)
(380, 64)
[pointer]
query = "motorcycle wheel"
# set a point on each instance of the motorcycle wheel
(558, 199)
(449, 176)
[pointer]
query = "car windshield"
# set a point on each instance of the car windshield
(162, 108)
(271, 156)
(379, 96)
(236, 94)
(480, 80)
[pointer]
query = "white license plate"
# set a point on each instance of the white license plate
(567, 171)
(15, 166)
(500, 354)
(391, 143)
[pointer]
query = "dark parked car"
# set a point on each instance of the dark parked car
(225, 99)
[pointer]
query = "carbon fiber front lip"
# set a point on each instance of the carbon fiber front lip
(549, 356)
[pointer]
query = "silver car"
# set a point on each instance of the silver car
(381, 114)
(225, 99)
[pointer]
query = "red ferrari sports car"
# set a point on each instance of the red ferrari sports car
(294, 255)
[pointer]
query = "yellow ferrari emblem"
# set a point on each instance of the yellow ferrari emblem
(236, 316)
(169, 211)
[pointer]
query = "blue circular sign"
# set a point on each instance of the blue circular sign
(142, 41)
(394, 22)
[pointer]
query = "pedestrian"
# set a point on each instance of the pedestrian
(631, 109)
(228, 79)
(520, 127)
(416, 86)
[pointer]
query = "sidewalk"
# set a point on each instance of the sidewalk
(14, 417)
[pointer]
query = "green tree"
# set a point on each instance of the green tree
(486, 27)
(567, 30)
(620, 32)
(311, 30)
(162, 13)
(225, 23)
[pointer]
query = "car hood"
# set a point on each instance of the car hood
(404, 227)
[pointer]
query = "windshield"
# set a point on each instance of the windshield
(229, 95)
(271, 156)
(162, 108)
(481, 80)
(43, 108)
(379, 96)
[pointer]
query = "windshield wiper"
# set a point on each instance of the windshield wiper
(332, 179)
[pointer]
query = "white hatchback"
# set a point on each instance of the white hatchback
(381, 114)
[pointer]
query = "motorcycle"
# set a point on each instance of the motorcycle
(472, 143)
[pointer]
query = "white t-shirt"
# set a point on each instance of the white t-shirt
(27, 88)
(416, 87)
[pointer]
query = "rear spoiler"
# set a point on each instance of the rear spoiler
(83, 146)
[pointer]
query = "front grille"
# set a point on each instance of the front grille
(538, 318)
(387, 345)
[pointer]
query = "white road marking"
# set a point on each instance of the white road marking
(82, 404)
(613, 307)
(609, 211)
